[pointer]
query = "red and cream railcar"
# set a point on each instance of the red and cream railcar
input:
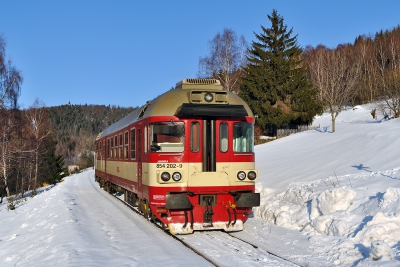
(185, 158)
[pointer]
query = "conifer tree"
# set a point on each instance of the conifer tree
(52, 164)
(275, 84)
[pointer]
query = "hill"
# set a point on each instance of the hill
(76, 127)
(342, 189)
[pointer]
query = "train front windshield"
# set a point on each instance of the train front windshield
(243, 137)
(167, 136)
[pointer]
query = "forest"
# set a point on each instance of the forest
(284, 84)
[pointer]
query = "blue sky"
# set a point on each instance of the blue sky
(127, 52)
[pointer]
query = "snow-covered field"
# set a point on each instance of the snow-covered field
(327, 199)
(341, 189)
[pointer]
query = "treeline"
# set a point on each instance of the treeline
(27, 151)
(286, 85)
(36, 144)
(366, 71)
(76, 128)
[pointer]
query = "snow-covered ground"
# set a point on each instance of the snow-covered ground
(76, 223)
(327, 199)
(341, 189)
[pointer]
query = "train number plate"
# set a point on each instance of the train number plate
(168, 165)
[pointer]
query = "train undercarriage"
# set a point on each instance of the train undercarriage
(185, 212)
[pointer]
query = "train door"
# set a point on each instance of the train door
(139, 164)
(208, 145)
(214, 143)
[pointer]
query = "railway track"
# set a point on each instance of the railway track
(211, 244)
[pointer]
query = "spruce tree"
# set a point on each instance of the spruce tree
(52, 167)
(275, 84)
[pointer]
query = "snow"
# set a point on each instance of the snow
(327, 199)
(341, 189)
(76, 223)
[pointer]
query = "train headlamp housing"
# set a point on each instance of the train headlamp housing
(208, 97)
(241, 175)
(252, 175)
(165, 176)
(176, 176)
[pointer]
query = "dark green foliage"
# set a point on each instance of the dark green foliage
(275, 84)
(52, 165)
(85, 118)
(76, 127)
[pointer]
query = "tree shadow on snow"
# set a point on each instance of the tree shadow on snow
(362, 224)
(364, 252)
(397, 247)
(361, 167)
(323, 130)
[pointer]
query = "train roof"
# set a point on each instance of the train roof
(202, 97)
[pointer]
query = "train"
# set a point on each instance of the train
(185, 159)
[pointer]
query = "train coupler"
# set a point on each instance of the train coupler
(209, 212)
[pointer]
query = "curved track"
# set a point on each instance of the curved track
(220, 248)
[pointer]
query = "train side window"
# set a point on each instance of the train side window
(145, 139)
(223, 137)
(112, 147)
(108, 148)
(115, 147)
(195, 136)
(103, 149)
(126, 139)
(243, 137)
(133, 144)
(120, 146)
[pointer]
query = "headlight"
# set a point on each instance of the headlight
(208, 97)
(241, 175)
(165, 176)
(252, 175)
(176, 176)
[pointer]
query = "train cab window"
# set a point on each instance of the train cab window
(195, 136)
(243, 137)
(133, 144)
(120, 146)
(126, 139)
(223, 137)
(167, 136)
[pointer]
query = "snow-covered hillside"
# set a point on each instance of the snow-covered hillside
(327, 199)
(342, 189)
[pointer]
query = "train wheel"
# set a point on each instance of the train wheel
(164, 227)
(144, 208)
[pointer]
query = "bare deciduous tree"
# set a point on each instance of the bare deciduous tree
(10, 80)
(39, 127)
(388, 61)
(10, 88)
(228, 54)
(335, 74)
